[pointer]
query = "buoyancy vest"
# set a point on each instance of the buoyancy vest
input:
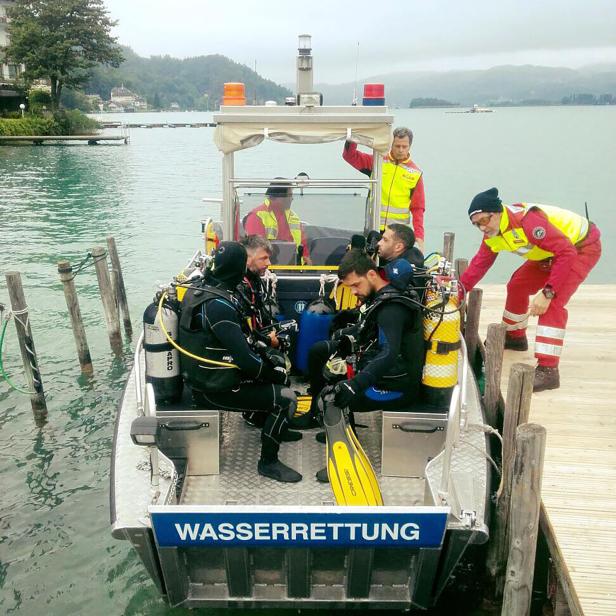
(397, 184)
(405, 374)
(268, 219)
(196, 336)
(513, 239)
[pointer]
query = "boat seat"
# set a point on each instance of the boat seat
(410, 439)
(190, 435)
(283, 253)
(327, 250)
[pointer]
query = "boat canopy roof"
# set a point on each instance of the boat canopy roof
(239, 128)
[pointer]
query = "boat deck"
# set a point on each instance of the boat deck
(240, 484)
(579, 499)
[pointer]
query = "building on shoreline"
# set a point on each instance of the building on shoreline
(10, 95)
(122, 99)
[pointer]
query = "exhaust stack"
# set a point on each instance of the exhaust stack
(305, 93)
(304, 65)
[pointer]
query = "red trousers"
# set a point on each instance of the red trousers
(528, 280)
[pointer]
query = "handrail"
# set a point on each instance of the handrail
(463, 380)
(294, 183)
(137, 369)
(451, 438)
(150, 411)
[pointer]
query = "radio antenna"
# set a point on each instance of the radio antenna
(355, 85)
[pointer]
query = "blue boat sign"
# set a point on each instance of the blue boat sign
(247, 526)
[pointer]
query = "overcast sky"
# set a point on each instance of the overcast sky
(392, 36)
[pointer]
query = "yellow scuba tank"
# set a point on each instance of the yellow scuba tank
(441, 327)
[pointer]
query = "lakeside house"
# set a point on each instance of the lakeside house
(122, 99)
(10, 95)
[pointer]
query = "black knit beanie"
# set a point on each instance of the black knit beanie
(229, 263)
(279, 189)
(486, 201)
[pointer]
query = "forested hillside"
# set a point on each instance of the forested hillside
(192, 83)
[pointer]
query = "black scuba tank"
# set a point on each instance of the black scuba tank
(162, 361)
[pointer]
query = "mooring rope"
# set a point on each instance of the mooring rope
(84, 264)
(36, 374)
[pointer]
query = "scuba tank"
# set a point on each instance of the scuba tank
(162, 362)
(441, 327)
(314, 324)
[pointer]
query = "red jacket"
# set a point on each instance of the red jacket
(254, 226)
(555, 241)
(363, 162)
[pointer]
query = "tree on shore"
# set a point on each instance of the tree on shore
(61, 40)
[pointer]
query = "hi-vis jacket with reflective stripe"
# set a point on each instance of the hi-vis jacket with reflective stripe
(268, 218)
(407, 188)
(512, 237)
(398, 183)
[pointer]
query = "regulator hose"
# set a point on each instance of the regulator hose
(172, 342)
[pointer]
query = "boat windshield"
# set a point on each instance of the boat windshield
(306, 224)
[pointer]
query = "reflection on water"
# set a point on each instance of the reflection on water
(56, 202)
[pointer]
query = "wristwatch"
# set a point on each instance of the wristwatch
(548, 292)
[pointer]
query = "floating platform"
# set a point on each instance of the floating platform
(579, 503)
(61, 139)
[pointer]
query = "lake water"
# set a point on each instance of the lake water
(57, 202)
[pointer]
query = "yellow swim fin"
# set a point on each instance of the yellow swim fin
(350, 473)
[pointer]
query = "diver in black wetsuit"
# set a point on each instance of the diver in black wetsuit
(230, 375)
(398, 242)
(388, 341)
(256, 305)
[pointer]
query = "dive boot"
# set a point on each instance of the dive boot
(546, 377)
(516, 344)
(350, 473)
(278, 471)
(321, 475)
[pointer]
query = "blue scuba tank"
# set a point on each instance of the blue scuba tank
(314, 325)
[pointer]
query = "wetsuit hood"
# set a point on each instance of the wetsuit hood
(229, 264)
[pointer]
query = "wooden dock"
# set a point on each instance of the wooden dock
(43, 139)
(579, 479)
(158, 124)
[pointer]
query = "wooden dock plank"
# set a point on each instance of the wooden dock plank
(579, 498)
(41, 139)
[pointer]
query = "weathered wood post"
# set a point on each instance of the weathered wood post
(495, 344)
(26, 346)
(524, 519)
(111, 311)
(448, 241)
(72, 302)
(517, 409)
(471, 330)
(460, 266)
(119, 287)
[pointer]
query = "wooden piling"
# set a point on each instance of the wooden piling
(495, 344)
(448, 242)
(460, 266)
(111, 312)
(26, 346)
(471, 329)
(517, 409)
(72, 302)
(524, 519)
(120, 289)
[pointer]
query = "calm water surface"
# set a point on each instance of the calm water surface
(57, 202)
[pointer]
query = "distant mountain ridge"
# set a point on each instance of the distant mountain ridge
(498, 84)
